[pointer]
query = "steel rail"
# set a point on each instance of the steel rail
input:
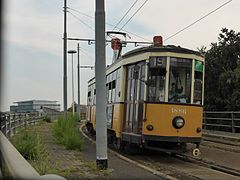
(208, 164)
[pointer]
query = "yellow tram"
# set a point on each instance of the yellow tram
(154, 98)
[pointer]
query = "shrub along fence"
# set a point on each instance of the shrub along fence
(13, 165)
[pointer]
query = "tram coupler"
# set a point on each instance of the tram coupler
(196, 152)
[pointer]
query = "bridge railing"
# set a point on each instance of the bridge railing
(228, 121)
(11, 160)
(11, 122)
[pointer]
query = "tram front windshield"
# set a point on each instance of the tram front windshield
(179, 83)
(156, 79)
(180, 78)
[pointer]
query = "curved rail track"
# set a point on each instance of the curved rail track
(230, 146)
(209, 164)
(175, 166)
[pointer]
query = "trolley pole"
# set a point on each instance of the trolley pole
(65, 62)
(78, 68)
(100, 74)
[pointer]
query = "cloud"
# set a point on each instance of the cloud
(34, 31)
(28, 27)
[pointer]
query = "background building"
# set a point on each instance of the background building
(34, 106)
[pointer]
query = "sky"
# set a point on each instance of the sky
(33, 32)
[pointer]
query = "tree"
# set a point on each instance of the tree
(222, 72)
(202, 49)
(75, 107)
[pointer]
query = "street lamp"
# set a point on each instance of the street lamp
(78, 72)
(72, 52)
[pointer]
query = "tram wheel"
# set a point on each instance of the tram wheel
(118, 144)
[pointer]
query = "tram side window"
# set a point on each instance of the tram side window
(89, 96)
(118, 90)
(112, 87)
(117, 94)
(109, 88)
(107, 92)
(142, 83)
(113, 90)
(156, 79)
(129, 79)
(180, 80)
(94, 96)
(198, 82)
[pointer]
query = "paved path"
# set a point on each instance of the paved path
(74, 164)
(120, 169)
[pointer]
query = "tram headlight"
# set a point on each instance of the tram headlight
(178, 122)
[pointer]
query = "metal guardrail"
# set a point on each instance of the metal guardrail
(10, 123)
(228, 121)
(11, 159)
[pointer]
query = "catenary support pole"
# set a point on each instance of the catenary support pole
(73, 105)
(78, 72)
(100, 74)
(65, 62)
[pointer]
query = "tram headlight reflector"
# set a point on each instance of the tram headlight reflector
(199, 130)
(178, 122)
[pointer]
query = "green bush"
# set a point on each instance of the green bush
(66, 132)
(28, 144)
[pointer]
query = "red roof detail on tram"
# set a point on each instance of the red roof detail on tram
(158, 40)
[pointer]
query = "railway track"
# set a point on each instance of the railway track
(209, 164)
(230, 146)
(177, 166)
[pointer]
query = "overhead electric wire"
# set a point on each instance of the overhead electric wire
(125, 15)
(198, 20)
(107, 24)
(84, 14)
(135, 35)
(84, 51)
(81, 21)
(133, 15)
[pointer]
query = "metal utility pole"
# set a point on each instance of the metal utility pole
(65, 62)
(73, 107)
(100, 74)
(78, 72)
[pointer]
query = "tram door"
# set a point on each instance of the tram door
(134, 98)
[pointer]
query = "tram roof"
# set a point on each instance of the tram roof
(154, 48)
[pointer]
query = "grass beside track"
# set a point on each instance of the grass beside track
(56, 158)
(31, 146)
(66, 132)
